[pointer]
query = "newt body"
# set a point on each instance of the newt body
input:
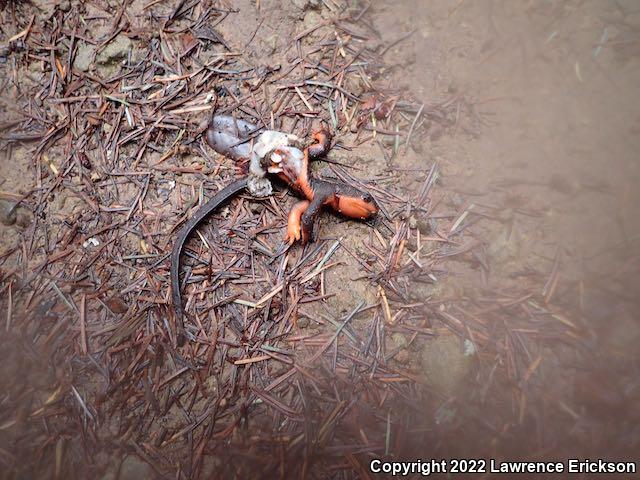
(293, 167)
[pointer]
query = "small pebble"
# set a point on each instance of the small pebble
(301, 4)
(91, 242)
(427, 226)
(403, 357)
(7, 212)
(24, 218)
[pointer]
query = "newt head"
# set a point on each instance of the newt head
(360, 205)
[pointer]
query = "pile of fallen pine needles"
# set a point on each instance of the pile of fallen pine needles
(86, 293)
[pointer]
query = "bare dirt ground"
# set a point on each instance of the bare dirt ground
(554, 174)
(491, 312)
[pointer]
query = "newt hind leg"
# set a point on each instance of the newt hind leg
(322, 196)
(303, 215)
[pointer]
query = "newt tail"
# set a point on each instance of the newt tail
(219, 198)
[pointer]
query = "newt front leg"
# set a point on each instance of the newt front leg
(322, 145)
(294, 225)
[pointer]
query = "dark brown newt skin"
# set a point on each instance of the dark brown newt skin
(226, 135)
(219, 198)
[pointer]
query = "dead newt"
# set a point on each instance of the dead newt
(282, 155)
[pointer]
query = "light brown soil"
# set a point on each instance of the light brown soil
(543, 156)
